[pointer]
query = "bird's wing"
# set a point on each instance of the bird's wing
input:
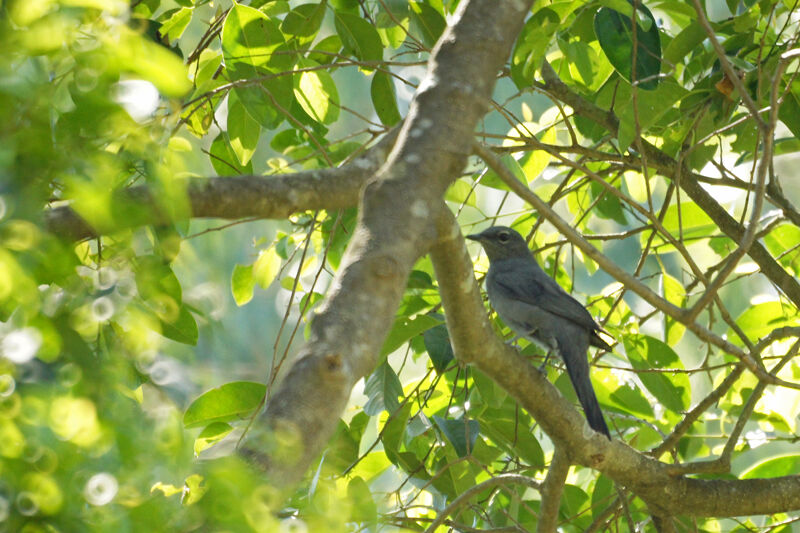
(532, 286)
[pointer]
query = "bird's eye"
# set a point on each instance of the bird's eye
(503, 236)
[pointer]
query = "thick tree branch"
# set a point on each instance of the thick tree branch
(235, 197)
(668, 495)
(394, 229)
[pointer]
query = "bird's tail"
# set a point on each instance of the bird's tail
(578, 370)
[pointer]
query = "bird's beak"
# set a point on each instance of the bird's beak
(475, 237)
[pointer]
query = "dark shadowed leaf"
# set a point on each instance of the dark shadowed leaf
(614, 30)
(382, 388)
(359, 37)
(437, 342)
(461, 434)
(383, 98)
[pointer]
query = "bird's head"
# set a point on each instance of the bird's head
(501, 242)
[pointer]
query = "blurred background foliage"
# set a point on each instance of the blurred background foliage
(109, 344)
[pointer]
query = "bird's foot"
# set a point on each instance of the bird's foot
(543, 366)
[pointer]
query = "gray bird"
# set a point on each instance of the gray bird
(535, 307)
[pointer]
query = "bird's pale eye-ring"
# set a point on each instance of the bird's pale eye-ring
(503, 236)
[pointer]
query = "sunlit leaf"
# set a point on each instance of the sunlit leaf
(675, 293)
(243, 130)
(533, 42)
(211, 434)
(266, 267)
(231, 401)
(758, 320)
(363, 507)
(224, 159)
(534, 163)
(252, 43)
(242, 284)
(316, 93)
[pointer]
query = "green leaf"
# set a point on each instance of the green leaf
(675, 293)
(174, 26)
(155, 278)
(194, 490)
(607, 206)
(511, 436)
(614, 30)
(627, 399)
(646, 353)
(243, 130)
(182, 329)
(266, 267)
(316, 93)
(461, 192)
(242, 284)
(211, 434)
(534, 163)
(652, 106)
(587, 64)
(782, 239)
(491, 179)
(532, 44)
(773, 467)
(789, 112)
(359, 37)
(394, 429)
(326, 50)
(150, 61)
(383, 98)
(684, 43)
(427, 22)
(382, 388)
(405, 328)
(232, 401)
(263, 101)
(253, 44)
(462, 435)
(758, 320)
(437, 343)
(224, 160)
(603, 492)
(304, 20)
(362, 506)
(687, 221)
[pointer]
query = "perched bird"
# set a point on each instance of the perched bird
(535, 307)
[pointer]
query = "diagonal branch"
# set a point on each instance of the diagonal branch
(689, 182)
(552, 489)
(394, 228)
(666, 494)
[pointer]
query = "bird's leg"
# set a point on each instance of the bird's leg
(546, 358)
